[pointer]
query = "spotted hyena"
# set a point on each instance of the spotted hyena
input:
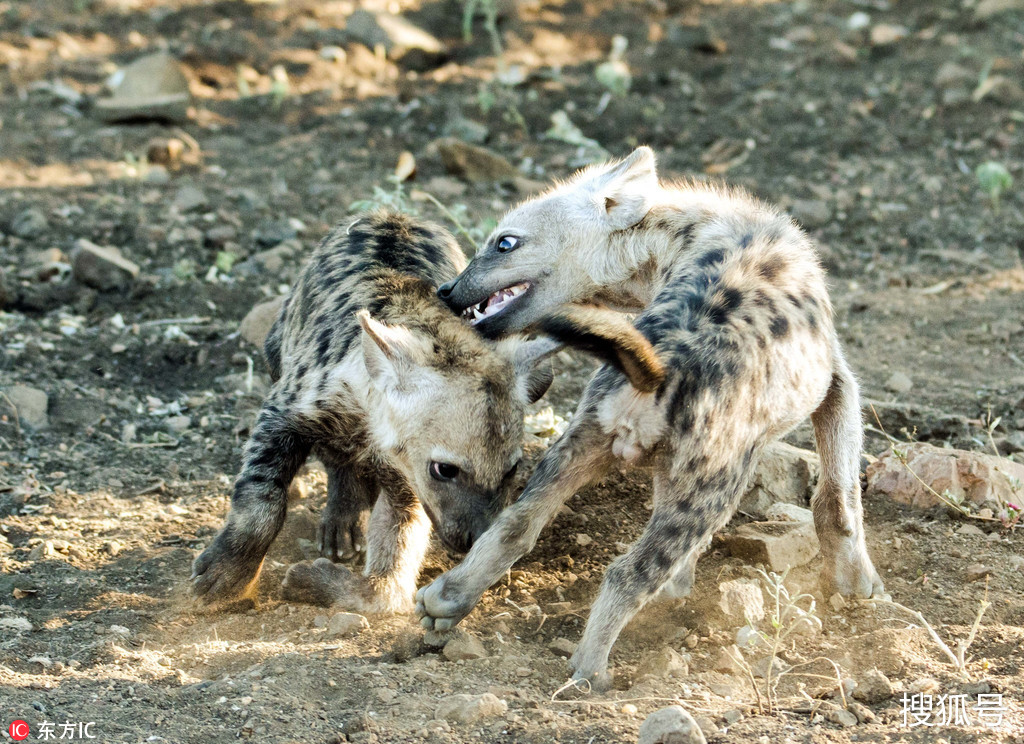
(731, 294)
(413, 413)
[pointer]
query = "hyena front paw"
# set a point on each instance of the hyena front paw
(442, 604)
(227, 569)
(587, 668)
(848, 570)
(324, 583)
(342, 535)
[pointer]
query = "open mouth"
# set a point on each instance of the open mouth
(494, 304)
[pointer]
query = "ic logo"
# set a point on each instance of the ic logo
(18, 730)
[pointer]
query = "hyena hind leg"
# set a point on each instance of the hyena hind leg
(687, 511)
(838, 514)
(344, 522)
(397, 540)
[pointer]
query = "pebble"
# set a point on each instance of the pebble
(101, 268)
(978, 571)
(843, 718)
(864, 713)
(189, 197)
(29, 223)
(464, 646)
(628, 709)
(726, 661)
(320, 621)
(346, 624)
(405, 43)
(884, 34)
(741, 600)
(970, 529)
(31, 405)
(178, 424)
(732, 716)
(113, 547)
(811, 213)
(256, 324)
(665, 663)
(470, 708)
(873, 687)
(899, 382)
(925, 685)
(20, 624)
(583, 539)
(671, 725)
(562, 647)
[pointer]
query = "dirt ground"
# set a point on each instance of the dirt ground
(870, 135)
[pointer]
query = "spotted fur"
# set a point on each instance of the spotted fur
(731, 295)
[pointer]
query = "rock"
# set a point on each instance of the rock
(971, 530)
(346, 624)
(19, 624)
(101, 268)
(778, 545)
(29, 223)
(189, 197)
(727, 661)
(884, 34)
(811, 213)
(437, 638)
(220, 235)
(470, 708)
(952, 75)
(707, 725)
(732, 716)
(967, 476)
(785, 474)
(671, 725)
(864, 713)
(665, 663)
(988, 8)
(271, 261)
(583, 539)
(256, 324)
(445, 187)
(405, 43)
(760, 667)
(843, 718)
(788, 513)
(562, 647)
(741, 600)
(873, 687)
(178, 424)
(466, 130)
(464, 646)
(274, 232)
(475, 164)
(152, 87)
(899, 382)
(977, 572)
(30, 404)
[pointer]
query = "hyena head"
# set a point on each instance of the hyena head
(556, 248)
(451, 414)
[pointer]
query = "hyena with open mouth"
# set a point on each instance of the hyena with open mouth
(411, 411)
(731, 294)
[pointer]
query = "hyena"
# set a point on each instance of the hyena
(411, 411)
(730, 293)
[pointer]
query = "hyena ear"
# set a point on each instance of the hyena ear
(534, 374)
(625, 190)
(609, 336)
(389, 352)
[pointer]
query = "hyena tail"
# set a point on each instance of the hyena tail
(611, 337)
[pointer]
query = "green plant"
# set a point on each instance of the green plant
(489, 10)
(994, 180)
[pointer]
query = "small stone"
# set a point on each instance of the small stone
(178, 424)
(475, 164)
(811, 213)
(873, 687)
(732, 716)
(29, 223)
(256, 325)
(274, 232)
(464, 646)
(760, 667)
(707, 725)
(101, 268)
(864, 713)
(113, 548)
(843, 718)
(671, 725)
(346, 624)
(523, 671)
(778, 545)
(19, 624)
(189, 197)
(320, 621)
(988, 8)
(977, 572)
(562, 647)
(741, 600)
(437, 638)
(691, 641)
(152, 87)
(981, 687)
(628, 709)
(466, 130)
(665, 663)
(971, 530)
(925, 685)
(157, 175)
(405, 43)
(583, 539)
(837, 602)
(30, 405)
(726, 661)
(386, 695)
(470, 708)
(785, 475)
(43, 551)
(788, 513)
(220, 235)
(899, 382)
(445, 187)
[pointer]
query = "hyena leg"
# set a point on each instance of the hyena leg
(229, 566)
(341, 533)
(582, 455)
(398, 536)
(688, 509)
(838, 515)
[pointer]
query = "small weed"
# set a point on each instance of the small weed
(994, 180)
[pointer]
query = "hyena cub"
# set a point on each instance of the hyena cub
(732, 296)
(398, 397)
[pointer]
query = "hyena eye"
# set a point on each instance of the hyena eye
(443, 471)
(507, 243)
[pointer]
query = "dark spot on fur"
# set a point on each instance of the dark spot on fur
(711, 257)
(745, 240)
(770, 268)
(779, 326)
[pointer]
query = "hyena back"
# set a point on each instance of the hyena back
(732, 297)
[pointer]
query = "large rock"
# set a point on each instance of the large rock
(785, 474)
(256, 325)
(152, 87)
(470, 708)
(966, 476)
(671, 725)
(102, 268)
(30, 404)
(405, 43)
(778, 545)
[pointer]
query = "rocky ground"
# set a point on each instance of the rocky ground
(130, 252)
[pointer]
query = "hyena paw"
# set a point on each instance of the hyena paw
(592, 671)
(324, 583)
(443, 604)
(225, 571)
(342, 535)
(849, 571)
